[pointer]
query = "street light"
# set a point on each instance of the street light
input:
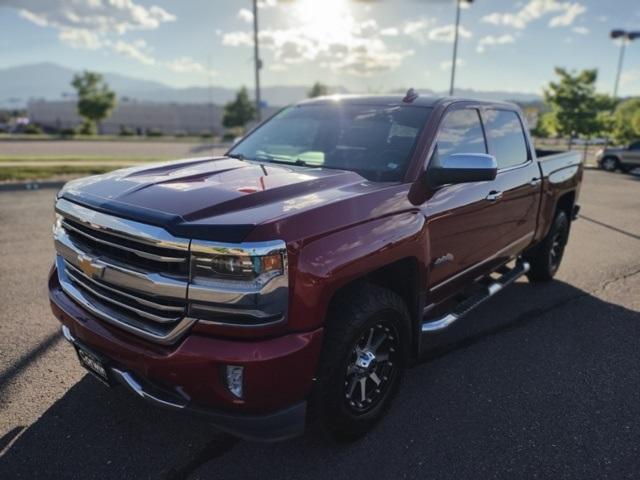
(455, 45)
(256, 59)
(624, 37)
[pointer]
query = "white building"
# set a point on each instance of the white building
(138, 117)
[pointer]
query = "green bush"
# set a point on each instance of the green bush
(126, 131)
(32, 129)
(154, 132)
(67, 132)
(87, 128)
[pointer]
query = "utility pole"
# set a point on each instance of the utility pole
(625, 37)
(257, 61)
(455, 46)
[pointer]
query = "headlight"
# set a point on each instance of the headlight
(255, 263)
(239, 285)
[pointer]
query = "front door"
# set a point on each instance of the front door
(463, 222)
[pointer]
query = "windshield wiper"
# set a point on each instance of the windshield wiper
(237, 156)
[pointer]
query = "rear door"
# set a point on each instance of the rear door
(517, 187)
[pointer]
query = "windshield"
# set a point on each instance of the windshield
(374, 141)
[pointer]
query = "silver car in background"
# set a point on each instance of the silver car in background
(624, 159)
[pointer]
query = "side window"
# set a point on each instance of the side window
(461, 132)
(506, 137)
(634, 146)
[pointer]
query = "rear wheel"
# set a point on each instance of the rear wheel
(545, 258)
(363, 360)
(610, 164)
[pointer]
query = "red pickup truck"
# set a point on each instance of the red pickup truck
(297, 277)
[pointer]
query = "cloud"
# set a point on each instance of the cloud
(101, 24)
(188, 65)
(630, 77)
(101, 16)
(491, 40)
(137, 50)
(446, 33)
(567, 18)
(423, 30)
(246, 15)
(340, 43)
(566, 12)
(580, 30)
(239, 39)
(390, 32)
(80, 38)
(446, 65)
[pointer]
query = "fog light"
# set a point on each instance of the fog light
(235, 379)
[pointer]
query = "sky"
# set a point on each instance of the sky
(362, 45)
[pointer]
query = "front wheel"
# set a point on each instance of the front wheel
(364, 357)
(545, 258)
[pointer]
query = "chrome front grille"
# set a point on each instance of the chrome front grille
(129, 274)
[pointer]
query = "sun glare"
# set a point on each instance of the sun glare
(329, 18)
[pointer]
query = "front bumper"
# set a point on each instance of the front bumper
(278, 372)
(275, 426)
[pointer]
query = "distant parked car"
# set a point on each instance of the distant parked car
(624, 159)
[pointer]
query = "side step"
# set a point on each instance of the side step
(461, 309)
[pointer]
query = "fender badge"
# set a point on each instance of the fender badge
(443, 259)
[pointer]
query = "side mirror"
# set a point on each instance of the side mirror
(463, 168)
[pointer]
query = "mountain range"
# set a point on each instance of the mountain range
(50, 81)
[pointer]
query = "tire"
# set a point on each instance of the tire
(610, 164)
(545, 258)
(363, 318)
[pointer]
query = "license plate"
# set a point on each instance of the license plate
(95, 364)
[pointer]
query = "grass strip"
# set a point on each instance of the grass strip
(43, 173)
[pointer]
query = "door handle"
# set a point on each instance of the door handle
(493, 196)
(535, 181)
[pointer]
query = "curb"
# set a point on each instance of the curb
(17, 186)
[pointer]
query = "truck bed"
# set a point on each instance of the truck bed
(553, 161)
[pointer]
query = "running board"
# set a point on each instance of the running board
(469, 303)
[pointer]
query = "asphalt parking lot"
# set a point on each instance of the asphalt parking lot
(543, 381)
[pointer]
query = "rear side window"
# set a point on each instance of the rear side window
(461, 132)
(506, 137)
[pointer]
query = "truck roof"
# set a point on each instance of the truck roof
(422, 100)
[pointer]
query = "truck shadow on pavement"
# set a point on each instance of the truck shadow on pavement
(540, 381)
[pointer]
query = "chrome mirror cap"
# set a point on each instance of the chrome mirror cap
(463, 168)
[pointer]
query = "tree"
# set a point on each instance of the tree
(240, 111)
(545, 126)
(626, 121)
(318, 90)
(575, 107)
(95, 100)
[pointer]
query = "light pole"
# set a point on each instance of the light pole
(256, 58)
(455, 46)
(625, 37)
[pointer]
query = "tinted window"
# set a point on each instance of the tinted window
(634, 146)
(506, 137)
(374, 141)
(461, 132)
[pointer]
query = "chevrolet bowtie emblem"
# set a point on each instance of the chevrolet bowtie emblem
(89, 268)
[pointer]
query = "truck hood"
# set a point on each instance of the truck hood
(221, 199)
